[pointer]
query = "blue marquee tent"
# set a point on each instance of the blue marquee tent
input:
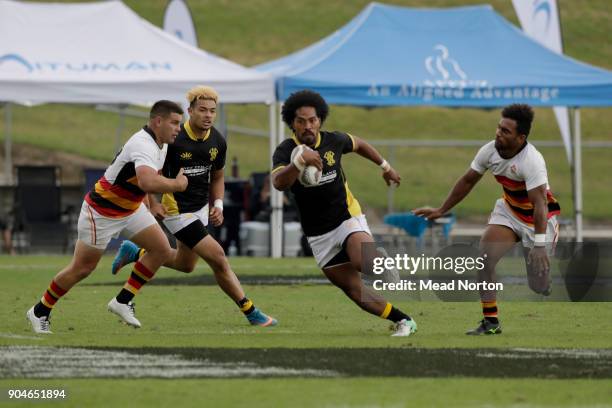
(465, 56)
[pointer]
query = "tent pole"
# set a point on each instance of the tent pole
(577, 175)
(276, 197)
(222, 121)
(120, 126)
(391, 188)
(8, 147)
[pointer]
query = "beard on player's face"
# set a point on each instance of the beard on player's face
(307, 137)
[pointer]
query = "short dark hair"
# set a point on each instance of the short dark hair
(300, 99)
(164, 108)
(523, 115)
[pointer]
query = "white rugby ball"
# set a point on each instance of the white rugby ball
(310, 176)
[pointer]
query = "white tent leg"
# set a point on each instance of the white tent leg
(276, 197)
(8, 146)
(221, 121)
(577, 175)
(391, 188)
(120, 127)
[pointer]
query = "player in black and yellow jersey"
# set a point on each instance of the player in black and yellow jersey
(199, 150)
(331, 217)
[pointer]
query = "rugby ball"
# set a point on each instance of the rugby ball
(310, 176)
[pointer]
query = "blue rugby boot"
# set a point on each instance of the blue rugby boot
(128, 253)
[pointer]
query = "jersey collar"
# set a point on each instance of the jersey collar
(152, 134)
(192, 135)
(297, 142)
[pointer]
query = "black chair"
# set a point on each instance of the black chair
(256, 182)
(228, 234)
(92, 175)
(37, 208)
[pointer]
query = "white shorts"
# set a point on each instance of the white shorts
(175, 223)
(326, 246)
(502, 215)
(97, 230)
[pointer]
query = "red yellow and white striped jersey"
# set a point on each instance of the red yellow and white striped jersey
(117, 193)
(517, 175)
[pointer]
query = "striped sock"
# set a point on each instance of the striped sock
(393, 314)
(489, 310)
(140, 275)
(246, 305)
(49, 299)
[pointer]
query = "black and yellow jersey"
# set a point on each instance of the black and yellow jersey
(325, 206)
(198, 158)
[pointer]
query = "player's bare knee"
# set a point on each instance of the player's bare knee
(186, 267)
(165, 253)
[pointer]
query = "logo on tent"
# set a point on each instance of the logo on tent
(90, 67)
(17, 59)
(447, 71)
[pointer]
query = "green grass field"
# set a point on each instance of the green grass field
(235, 32)
(195, 346)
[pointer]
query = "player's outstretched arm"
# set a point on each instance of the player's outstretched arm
(364, 149)
(151, 182)
(461, 189)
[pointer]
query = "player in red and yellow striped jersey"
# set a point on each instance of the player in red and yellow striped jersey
(526, 213)
(115, 206)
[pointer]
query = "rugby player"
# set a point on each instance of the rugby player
(330, 216)
(200, 150)
(526, 213)
(115, 206)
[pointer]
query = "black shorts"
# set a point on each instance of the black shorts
(192, 234)
(340, 258)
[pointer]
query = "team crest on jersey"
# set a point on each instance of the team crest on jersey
(186, 156)
(329, 156)
(513, 168)
(213, 153)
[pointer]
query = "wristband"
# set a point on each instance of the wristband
(218, 204)
(540, 240)
(385, 166)
(299, 162)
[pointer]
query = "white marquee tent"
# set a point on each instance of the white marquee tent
(104, 53)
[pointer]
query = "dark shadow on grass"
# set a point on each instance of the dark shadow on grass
(209, 280)
(409, 362)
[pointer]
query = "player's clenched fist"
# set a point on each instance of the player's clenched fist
(181, 181)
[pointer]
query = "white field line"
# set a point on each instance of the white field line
(18, 336)
(59, 362)
(531, 353)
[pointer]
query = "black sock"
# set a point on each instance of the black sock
(396, 315)
(125, 296)
(41, 310)
(246, 306)
(494, 320)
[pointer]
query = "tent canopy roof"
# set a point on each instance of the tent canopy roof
(103, 52)
(464, 56)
